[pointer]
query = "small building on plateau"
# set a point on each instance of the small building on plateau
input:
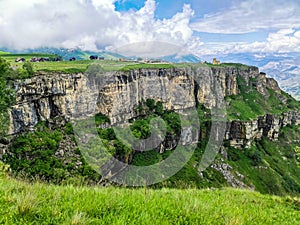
(216, 62)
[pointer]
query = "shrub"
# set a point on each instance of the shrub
(33, 154)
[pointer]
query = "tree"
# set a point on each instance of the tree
(6, 96)
(27, 66)
(4, 69)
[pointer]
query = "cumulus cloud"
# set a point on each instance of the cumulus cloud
(87, 24)
(250, 16)
(280, 42)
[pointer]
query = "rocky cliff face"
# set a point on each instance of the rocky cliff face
(241, 134)
(47, 96)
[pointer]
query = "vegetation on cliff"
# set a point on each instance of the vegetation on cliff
(272, 168)
(250, 103)
(6, 96)
(41, 155)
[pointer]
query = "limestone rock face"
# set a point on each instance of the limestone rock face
(273, 85)
(117, 94)
(45, 97)
(174, 88)
(241, 134)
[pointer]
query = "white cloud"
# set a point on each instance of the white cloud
(149, 49)
(252, 15)
(88, 24)
(282, 41)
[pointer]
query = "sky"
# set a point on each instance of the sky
(201, 27)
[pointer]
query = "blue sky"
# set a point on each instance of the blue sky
(202, 27)
(167, 8)
(250, 24)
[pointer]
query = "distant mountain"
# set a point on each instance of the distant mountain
(77, 53)
(69, 53)
(190, 58)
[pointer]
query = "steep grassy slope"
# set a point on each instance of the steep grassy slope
(250, 104)
(23, 203)
(272, 167)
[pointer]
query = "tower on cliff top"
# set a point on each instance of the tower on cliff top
(216, 62)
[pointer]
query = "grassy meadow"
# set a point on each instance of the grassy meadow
(63, 66)
(24, 203)
(81, 65)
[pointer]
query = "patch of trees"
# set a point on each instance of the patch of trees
(6, 95)
(33, 155)
(7, 75)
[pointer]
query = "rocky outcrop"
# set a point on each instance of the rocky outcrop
(232, 177)
(241, 134)
(47, 96)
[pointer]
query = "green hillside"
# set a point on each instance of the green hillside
(23, 203)
(249, 104)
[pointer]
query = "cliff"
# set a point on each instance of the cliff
(116, 95)
(241, 134)
(57, 98)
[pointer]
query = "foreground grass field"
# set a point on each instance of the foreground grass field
(22, 203)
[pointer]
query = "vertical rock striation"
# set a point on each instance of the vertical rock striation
(51, 95)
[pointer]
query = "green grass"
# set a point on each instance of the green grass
(11, 57)
(147, 66)
(270, 166)
(78, 66)
(249, 104)
(236, 65)
(23, 203)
